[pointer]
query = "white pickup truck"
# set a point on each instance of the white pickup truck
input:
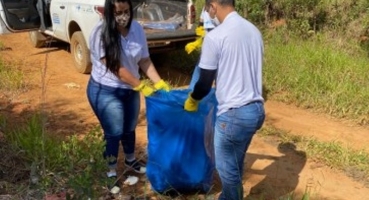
(168, 23)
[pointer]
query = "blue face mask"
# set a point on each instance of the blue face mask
(215, 21)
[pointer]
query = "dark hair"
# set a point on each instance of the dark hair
(111, 36)
(221, 2)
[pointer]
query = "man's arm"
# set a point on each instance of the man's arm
(203, 85)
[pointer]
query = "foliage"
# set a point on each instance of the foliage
(305, 16)
(314, 74)
(12, 78)
(255, 10)
(75, 165)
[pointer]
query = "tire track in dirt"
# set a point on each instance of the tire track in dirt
(319, 126)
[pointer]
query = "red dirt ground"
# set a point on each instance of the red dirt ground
(270, 168)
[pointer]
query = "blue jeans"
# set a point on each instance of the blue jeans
(117, 111)
(234, 131)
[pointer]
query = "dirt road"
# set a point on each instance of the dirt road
(270, 168)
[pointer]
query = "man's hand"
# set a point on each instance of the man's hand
(162, 85)
(191, 104)
(145, 88)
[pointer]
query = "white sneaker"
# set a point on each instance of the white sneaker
(136, 165)
(115, 190)
(131, 180)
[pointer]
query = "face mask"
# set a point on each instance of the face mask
(215, 21)
(122, 20)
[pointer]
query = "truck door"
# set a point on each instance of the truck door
(58, 12)
(18, 16)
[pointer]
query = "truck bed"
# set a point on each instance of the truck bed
(165, 23)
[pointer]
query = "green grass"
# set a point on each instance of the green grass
(314, 74)
(334, 154)
(178, 59)
(176, 67)
(11, 76)
(55, 164)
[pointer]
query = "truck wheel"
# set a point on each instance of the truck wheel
(80, 53)
(37, 39)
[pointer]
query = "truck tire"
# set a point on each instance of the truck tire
(80, 53)
(37, 39)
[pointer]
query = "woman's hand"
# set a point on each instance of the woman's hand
(162, 85)
(145, 88)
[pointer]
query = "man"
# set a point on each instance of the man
(232, 55)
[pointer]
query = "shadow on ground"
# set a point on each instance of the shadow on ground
(280, 177)
(58, 120)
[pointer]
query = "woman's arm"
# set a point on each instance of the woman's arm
(148, 68)
(126, 76)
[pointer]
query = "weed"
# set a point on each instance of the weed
(71, 164)
(11, 76)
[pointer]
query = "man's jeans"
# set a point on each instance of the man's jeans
(117, 110)
(234, 130)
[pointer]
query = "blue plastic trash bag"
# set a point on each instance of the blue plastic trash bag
(180, 143)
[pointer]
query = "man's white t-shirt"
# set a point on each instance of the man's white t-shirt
(235, 49)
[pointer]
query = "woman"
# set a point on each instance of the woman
(118, 50)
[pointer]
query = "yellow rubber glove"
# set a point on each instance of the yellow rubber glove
(200, 31)
(195, 45)
(191, 104)
(144, 88)
(190, 47)
(162, 85)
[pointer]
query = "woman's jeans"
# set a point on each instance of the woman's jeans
(234, 130)
(117, 111)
